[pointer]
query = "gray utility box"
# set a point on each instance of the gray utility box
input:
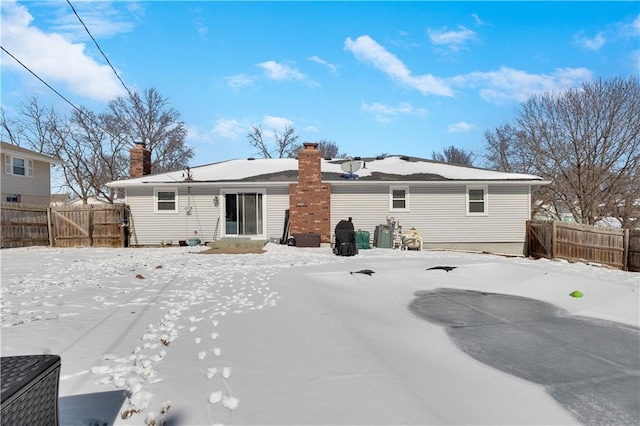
(383, 237)
(307, 240)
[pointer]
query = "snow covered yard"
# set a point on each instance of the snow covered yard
(284, 337)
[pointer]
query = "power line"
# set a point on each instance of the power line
(100, 49)
(43, 82)
(80, 111)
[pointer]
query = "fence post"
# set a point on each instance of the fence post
(90, 225)
(123, 228)
(553, 239)
(50, 226)
(527, 238)
(625, 253)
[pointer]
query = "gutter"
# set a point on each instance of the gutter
(219, 183)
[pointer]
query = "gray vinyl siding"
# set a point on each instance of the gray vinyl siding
(32, 190)
(277, 204)
(437, 211)
(151, 228)
(367, 205)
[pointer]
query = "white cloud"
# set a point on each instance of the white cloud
(460, 127)
(277, 124)
(228, 129)
(279, 72)
(508, 84)
(333, 68)
(201, 28)
(239, 80)
(451, 39)
(311, 129)
(53, 58)
(634, 27)
(404, 41)
(477, 19)
(367, 50)
(102, 19)
(594, 43)
(386, 113)
(272, 70)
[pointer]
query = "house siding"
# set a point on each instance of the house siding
(153, 228)
(436, 200)
(32, 190)
(438, 211)
(277, 204)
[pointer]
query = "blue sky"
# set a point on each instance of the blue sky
(374, 77)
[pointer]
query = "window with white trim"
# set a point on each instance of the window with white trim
(18, 166)
(398, 198)
(477, 200)
(166, 200)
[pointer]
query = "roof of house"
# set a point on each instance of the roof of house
(7, 148)
(285, 170)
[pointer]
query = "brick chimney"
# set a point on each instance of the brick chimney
(310, 199)
(140, 158)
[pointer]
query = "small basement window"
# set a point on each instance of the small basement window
(13, 198)
(398, 198)
(477, 200)
(166, 200)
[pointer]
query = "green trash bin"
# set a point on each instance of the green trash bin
(362, 240)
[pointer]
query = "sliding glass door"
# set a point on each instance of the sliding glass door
(243, 214)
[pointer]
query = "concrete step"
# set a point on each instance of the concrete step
(237, 243)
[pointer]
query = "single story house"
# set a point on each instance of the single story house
(26, 175)
(453, 207)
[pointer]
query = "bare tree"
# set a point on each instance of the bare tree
(328, 148)
(453, 155)
(284, 144)
(95, 147)
(585, 140)
(34, 129)
(148, 118)
(37, 128)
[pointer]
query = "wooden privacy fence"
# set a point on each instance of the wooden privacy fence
(64, 226)
(619, 248)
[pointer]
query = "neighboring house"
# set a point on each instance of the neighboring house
(453, 207)
(65, 200)
(90, 201)
(60, 199)
(26, 175)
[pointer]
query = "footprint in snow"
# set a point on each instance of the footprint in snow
(215, 397)
(197, 340)
(230, 402)
(226, 372)
(202, 354)
(217, 351)
(211, 372)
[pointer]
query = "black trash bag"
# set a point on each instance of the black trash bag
(345, 239)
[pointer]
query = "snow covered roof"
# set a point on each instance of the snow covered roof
(285, 171)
